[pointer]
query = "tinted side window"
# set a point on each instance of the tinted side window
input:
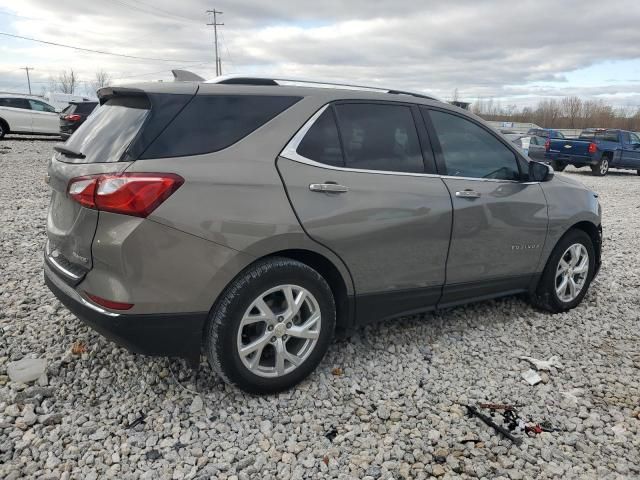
(17, 103)
(610, 136)
(471, 151)
(626, 137)
(210, 123)
(321, 143)
(634, 139)
(379, 137)
(40, 106)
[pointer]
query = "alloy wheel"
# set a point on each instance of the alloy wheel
(279, 331)
(604, 166)
(571, 273)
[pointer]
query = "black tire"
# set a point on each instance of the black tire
(602, 167)
(637, 172)
(221, 335)
(545, 296)
(558, 166)
(4, 128)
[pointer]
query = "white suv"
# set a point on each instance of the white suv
(23, 114)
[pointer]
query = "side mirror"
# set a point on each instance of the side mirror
(540, 172)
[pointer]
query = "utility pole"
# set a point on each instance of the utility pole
(215, 25)
(28, 79)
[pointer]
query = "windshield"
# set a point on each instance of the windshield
(107, 133)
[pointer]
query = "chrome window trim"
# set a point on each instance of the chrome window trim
(290, 153)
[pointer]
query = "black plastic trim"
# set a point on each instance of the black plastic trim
(462, 293)
(373, 307)
(171, 335)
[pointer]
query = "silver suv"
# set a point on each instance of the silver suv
(253, 217)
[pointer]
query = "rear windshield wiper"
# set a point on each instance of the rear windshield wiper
(67, 152)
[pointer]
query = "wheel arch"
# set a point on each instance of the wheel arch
(595, 233)
(333, 276)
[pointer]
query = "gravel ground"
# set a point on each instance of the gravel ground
(394, 410)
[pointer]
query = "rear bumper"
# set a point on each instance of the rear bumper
(576, 160)
(172, 335)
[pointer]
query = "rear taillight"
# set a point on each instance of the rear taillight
(593, 148)
(136, 194)
(547, 145)
(103, 302)
(72, 118)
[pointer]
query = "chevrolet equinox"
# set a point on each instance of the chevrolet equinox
(252, 217)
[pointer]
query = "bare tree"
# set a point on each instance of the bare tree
(102, 79)
(67, 81)
(571, 109)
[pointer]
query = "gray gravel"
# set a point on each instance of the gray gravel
(394, 412)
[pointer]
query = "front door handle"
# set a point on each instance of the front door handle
(328, 187)
(468, 194)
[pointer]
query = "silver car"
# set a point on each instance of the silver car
(252, 217)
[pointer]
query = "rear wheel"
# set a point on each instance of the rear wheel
(568, 273)
(601, 169)
(271, 327)
(3, 129)
(558, 166)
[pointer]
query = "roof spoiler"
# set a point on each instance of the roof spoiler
(186, 76)
(107, 93)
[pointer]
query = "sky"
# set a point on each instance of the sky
(516, 52)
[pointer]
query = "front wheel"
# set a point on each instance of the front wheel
(558, 166)
(271, 326)
(568, 273)
(3, 129)
(602, 167)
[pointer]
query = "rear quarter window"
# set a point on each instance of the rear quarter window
(210, 123)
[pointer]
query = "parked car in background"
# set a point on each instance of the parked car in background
(599, 149)
(532, 145)
(545, 133)
(62, 100)
(22, 114)
(73, 116)
(252, 219)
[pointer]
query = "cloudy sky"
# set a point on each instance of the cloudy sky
(516, 51)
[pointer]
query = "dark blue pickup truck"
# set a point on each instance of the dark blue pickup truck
(599, 149)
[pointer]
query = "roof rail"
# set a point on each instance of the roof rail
(245, 80)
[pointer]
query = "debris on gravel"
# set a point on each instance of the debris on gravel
(396, 410)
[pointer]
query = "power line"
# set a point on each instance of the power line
(215, 25)
(102, 52)
(156, 11)
(165, 11)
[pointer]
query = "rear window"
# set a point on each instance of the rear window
(83, 108)
(608, 136)
(106, 134)
(210, 123)
(587, 135)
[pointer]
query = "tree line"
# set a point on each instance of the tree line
(567, 112)
(67, 81)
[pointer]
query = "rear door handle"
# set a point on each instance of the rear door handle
(468, 194)
(328, 187)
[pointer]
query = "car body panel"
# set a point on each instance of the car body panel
(392, 230)
(158, 268)
(71, 227)
(499, 234)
